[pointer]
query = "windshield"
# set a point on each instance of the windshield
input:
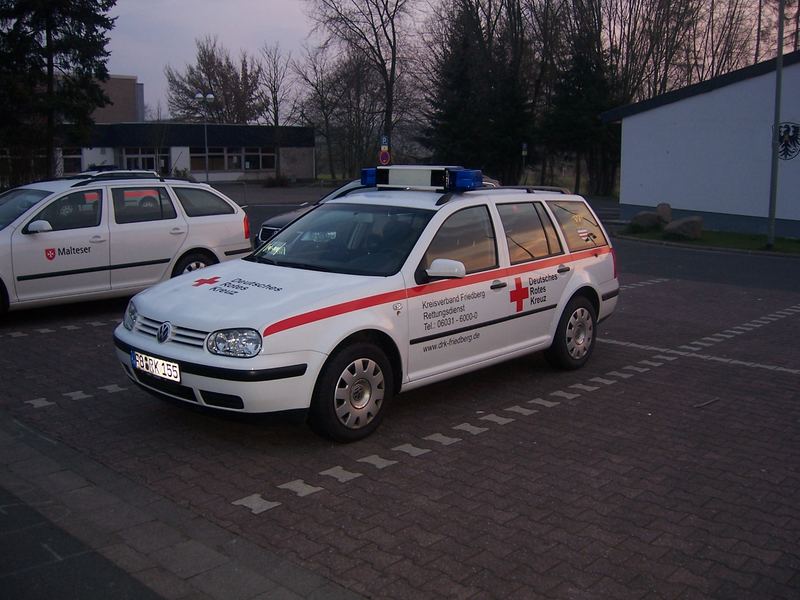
(15, 202)
(347, 238)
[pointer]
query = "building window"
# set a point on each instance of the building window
(232, 159)
(146, 158)
(72, 160)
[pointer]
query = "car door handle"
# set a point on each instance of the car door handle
(563, 269)
(97, 239)
(177, 231)
(497, 284)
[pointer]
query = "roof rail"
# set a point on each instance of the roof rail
(532, 189)
(116, 176)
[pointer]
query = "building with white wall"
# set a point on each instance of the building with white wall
(706, 150)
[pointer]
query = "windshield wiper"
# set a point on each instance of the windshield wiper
(310, 267)
(260, 259)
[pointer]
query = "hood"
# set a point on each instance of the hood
(241, 293)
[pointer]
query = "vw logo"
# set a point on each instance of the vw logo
(164, 332)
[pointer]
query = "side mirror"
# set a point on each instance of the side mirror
(40, 226)
(445, 268)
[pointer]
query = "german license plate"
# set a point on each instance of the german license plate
(155, 366)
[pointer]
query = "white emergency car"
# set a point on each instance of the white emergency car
(377, 293)
(110, 234)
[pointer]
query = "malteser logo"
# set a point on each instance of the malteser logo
(49, 253)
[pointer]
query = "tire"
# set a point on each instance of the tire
(192, 262)
(575, 335)
(3, 300)
(352, 392)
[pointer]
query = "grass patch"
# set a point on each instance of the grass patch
(725, 239)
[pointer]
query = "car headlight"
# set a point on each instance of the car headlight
(242, 343)
(129, 319)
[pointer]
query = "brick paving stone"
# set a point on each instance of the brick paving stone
(189, 558)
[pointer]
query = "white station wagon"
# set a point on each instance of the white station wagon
(110, 234)
(365, 296)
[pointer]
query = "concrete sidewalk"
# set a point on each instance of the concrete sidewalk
(70, 527)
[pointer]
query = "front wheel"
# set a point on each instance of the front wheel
(192, 262)
(575, 335)
(351, 394)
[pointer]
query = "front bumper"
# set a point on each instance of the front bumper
(274, 383)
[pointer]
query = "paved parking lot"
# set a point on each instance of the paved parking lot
(667, 468)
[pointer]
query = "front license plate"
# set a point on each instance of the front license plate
(156, 366)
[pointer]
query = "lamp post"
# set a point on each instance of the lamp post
(205, 99)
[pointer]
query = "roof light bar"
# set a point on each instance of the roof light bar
(447, 179)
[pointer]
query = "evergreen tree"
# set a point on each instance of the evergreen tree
(53, 56)
(573, 124)
(479, 113)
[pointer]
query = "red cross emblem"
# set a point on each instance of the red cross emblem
(519, 294)
(49, 253)
(209, 281)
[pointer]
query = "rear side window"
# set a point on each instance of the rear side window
(201, 203)
(73, 211)
(141, 204)
(466, 236)
(529, 237)
(579, 225)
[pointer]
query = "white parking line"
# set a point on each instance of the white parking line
(442, 439)
(377, 462)
(341, 474)
(300, 487)
(411, 449)
(255, 503)
(470, 428)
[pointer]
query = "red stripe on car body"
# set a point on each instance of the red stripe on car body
(429, 288)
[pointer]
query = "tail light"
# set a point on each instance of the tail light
(247, 228)
(614, 260)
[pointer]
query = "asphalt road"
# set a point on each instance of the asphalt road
(666, 468)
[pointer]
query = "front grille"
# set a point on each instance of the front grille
(167, 387)
(180, 335)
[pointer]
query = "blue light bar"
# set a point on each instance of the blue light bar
(464, 180)
(369, 177)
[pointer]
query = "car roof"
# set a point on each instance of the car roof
(436, 200)
(105, 178)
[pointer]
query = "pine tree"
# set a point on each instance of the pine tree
(53, 56)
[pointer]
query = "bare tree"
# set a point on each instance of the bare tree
(236, 86)
(322, 95)
(278, 89)
(374, 29)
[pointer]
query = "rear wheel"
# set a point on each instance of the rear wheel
(192, 262)
(575, 335)
(351, 394)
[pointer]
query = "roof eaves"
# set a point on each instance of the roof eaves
(756, 70)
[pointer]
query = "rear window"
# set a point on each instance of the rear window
(580, 227)
(200, 203)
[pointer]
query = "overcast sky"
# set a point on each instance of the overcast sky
(150, 34)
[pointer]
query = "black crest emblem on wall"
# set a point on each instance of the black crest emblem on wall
(788, 140)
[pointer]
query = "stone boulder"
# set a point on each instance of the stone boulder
(690, 228)
(664, 211)
(645, 221)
